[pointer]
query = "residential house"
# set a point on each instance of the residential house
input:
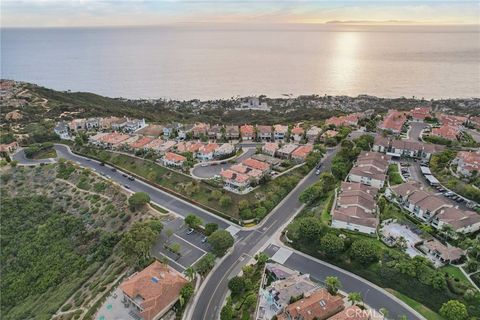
(200, 129)
(425, 205)
(151, 130)
(446, 131)
(215, 132)
(253, 103)
(354, 313)
(232, 132)
(77, 125)
(286, 150)
(119, 124)
(247, 132)
(224, 150)
(173, 159)
(61, 129)
(381, 144)
(300, 154)
(451, 120)
(394, 121)
(280, 132)
(467, 162)
(270, 148)
(281, 292)
(258, 165)
(264, 133)
(445, 254)
(400, 192)
(460, 221)
(9, 148)
(109, 140)
(153, 291)
(92, 123)
(279, 271)
(140, 143)
(420, 113)
(134, 125)
(183, 131)
(329, 134)
(347, 120)
(297, 134)
(253, 174)
(235, 181)
(206, 152)
(106, 123)
(313, 133)
(319, 305)
(368, 175)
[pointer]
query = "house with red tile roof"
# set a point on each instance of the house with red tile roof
(200, 129)
(329, 134)
(247, 132)
(9, 148)
(140, 143)
(353, 313)
(109, 140)
(394, 121)
(235, 181)
(297, 134)
(258, 165)
(173, 159)
(446, 131)
(451, 120)
(206, 152)
(420, 113)
(467, 162)
(153, 291)
(319, 305)
(301, 153)
(347, 120)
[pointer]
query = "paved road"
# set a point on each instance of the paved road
(248, 242)
(212, 170)
(23, 160)
(166, 200)
(213, 291)
(415, 130)
(372, 295)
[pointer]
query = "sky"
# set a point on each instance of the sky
(80, 13)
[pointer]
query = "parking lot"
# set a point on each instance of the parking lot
(192, 245)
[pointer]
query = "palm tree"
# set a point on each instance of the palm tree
(355, 297)
(190, 273)
(332, 284)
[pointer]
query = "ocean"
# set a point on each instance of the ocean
(223, 61)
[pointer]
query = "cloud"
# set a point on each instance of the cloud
(36, 13)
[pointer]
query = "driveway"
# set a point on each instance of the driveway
(211, 170)
(415, 130)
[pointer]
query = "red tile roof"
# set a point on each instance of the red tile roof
(420, 113)
(393, 121)
(170, 156)
(302, 151)
(255, 164)
(157, 286)
(318, 305)
(446, 131)
(298, 130)
(247, 129)
(141, 142)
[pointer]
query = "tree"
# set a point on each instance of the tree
(355, 297)
(454, 310)
(190, 273)
(472, 266)
(236, 285)
(221, 241)
(310, 229)
(210, 228)
(193, 221)
(340, 169)
(137, 242)
(205, 264)
(243, 204)
(225, 201)
(261, 258)
(331, 244)
(169, 233)
(227, 311)
(186, 292)
(175, 248)
(364, 251)
(332, 284)
(364, 142)
(138, 199)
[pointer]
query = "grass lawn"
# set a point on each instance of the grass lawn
(267, 196)
(420, 308)
(455, 272)
(393, 175)
(45, 153)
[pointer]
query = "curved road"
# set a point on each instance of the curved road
(23, 160)
(208, 301)
(211, 170)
